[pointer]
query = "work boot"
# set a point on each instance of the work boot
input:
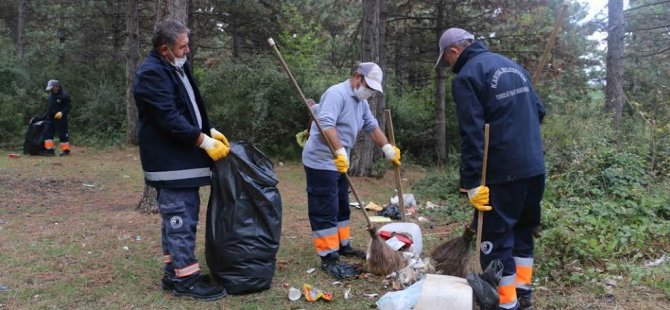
(49, 152)
(197, 287)
(340, 270)
(350, 251)
(65, 153)
(525, 303)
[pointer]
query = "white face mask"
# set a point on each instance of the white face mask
(178, 62)
(363, 92)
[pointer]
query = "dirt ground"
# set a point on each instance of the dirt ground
(70, 237)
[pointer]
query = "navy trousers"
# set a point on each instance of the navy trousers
(179, 210)
(508, 231)
(328, 208)
(58, 126)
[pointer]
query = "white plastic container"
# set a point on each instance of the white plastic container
(445, 293)
(409, 228)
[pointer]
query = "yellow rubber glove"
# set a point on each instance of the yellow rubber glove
(302, 137)
(341, 160)
(58, 115)
(479, 198)
(214, 148)
(392, 153)
(219, 136)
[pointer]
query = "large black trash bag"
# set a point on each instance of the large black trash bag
(34, 138)
(243, 221)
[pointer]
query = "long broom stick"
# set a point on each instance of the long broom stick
(396, 170)
(383, 260)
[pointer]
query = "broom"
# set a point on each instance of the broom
(452, 257)
(382, 259)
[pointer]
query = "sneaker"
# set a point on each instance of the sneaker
(352, 252)
(525, 303)
(198, 287)
(340, 270)
(65, 153)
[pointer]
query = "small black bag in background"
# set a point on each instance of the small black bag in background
(243, 221)
(34, 138)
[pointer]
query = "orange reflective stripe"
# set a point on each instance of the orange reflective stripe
(48, 144)
(64, 146)
(187, 271)
(524, 274)
(326, 243)
(167, 258)
(507, 293)
(344, 233)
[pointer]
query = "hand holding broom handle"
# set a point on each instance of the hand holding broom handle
(396, 170)
(480, 215)
(371, 228)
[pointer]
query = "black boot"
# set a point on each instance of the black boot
(197, 287)
(49, 152)
(525, 303)
(65, 153)
(350, 251)
(332, 265)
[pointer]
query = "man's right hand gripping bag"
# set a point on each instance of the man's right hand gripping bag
(243, 221)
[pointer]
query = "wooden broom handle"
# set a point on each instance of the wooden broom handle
(480, 215)
(396, 170)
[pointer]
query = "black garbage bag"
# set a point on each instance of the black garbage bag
(34, 137)
(243, 221)
(485, 285)
(391, 211)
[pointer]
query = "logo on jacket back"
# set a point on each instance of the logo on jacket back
(500, 71)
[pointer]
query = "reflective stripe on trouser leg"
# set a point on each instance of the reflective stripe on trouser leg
(507, 292)
(64, 146)
(325, 241)
(343, 232)
(524, 274)
(179, 211)
(49, 144)
(323, 209)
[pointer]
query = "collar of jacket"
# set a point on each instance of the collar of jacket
(469, 52)
(167, 64)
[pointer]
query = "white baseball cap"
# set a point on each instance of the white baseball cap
(373, 75)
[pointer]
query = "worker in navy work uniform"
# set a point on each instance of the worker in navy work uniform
(342, 112)
(177, 148)
(56, 121)
(490, 88)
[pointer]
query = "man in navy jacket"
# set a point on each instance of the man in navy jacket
(176, 153)
(492, 89)
(57, 116)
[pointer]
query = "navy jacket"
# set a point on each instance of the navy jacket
(490, 88)
(168, 128)
(58, 102)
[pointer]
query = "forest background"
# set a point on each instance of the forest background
(606, 134)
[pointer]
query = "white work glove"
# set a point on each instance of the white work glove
(214, 148)
(341, 160)
(391, 153)
(219, 136)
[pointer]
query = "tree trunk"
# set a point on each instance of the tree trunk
(132, 61)
(21, 29)
(615, 44)
(363, 154)
(175, 9)
(440, 93)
